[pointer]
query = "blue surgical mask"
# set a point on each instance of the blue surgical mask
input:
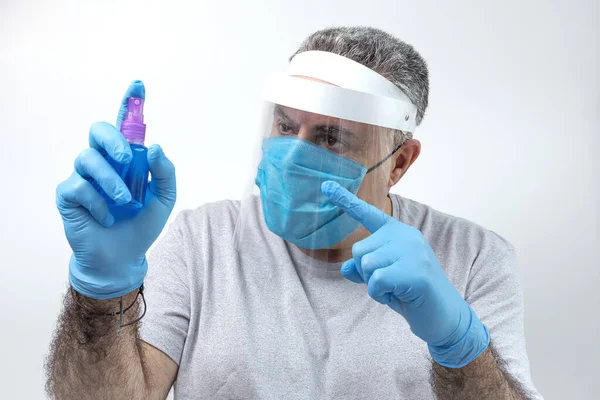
(289, 178)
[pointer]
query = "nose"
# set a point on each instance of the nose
(305, 133)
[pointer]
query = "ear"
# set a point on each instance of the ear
(403, 159)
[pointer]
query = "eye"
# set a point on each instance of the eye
(284, 128)
(330, 141)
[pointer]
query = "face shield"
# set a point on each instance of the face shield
(327, 118)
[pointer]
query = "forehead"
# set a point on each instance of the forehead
(307, 118)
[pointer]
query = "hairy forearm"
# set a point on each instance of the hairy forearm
(89, 358)
(483, 378)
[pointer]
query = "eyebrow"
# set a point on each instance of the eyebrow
(279, 111)
(343, 131)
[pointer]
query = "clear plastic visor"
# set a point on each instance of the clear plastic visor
(284, 208)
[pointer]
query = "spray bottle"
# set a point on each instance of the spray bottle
(134, 174)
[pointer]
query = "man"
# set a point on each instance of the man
(276, 296)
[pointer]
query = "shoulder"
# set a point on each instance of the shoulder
(453, 237)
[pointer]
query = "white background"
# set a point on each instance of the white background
(509, 140)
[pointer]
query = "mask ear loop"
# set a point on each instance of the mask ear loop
(385, 159)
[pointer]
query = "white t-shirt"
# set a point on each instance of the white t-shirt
(276, 324)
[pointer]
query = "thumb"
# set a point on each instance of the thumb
(350, 272)
(163, 183)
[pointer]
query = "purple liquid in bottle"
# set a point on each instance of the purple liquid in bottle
(134, 174)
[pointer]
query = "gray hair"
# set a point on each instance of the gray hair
(396, 60)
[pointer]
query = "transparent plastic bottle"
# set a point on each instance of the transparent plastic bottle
(134, 174)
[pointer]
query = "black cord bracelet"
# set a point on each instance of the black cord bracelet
(122, 311)
(145, 307)
(115, 313)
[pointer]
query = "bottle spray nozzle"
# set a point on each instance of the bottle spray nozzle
(133, 127)
(135, 109)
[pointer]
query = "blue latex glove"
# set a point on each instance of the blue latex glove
(110, 242)
(401, 271)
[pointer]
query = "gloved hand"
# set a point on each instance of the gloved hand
(401, 271)
(110, 242)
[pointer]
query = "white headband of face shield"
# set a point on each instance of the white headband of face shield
(360, 94)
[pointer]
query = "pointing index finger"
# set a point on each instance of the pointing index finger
(368, 215)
